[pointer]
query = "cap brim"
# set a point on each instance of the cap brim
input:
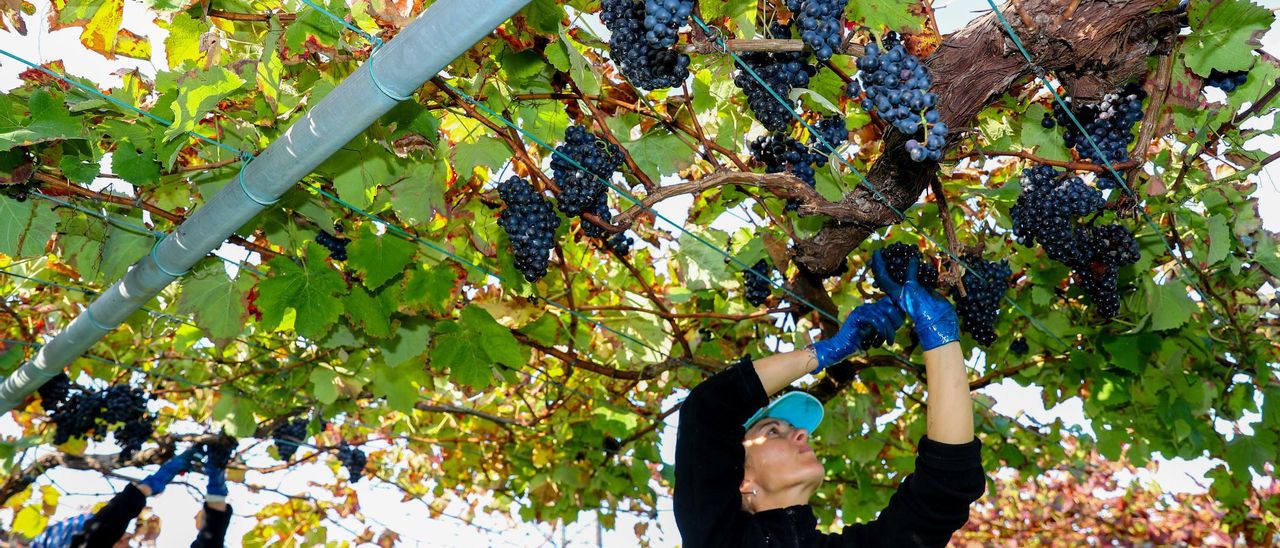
(797, 408)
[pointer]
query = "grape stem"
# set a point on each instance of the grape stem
(954, 270)
(782, 184)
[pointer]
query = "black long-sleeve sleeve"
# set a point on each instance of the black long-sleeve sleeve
(106, 526)
(214, 531)
(930, 504)
(710, 456)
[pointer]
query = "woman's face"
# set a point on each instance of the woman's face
(779, 456)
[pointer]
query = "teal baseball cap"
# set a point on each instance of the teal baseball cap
(798, 408)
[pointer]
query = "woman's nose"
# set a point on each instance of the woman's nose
(800, 434)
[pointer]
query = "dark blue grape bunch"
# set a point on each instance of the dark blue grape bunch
(353, 459)
(218, 454)
(1049, 212)
(781, 154)
(663, 19)
(20, 191)
(132, 434)
(92, 414)
(288, 436)
(830, 132)
(1019, 346)
(780, 72)
(618, 243)
(581, 189)
(820, 24)
(898, 256)
(1226, 81)
(1108, 122)
(985, 283)
(1047, 209)
(640, 60)
(757, 280)
(895, 85)
(337, 246)
(530, 223)
(1112, 247)
(54, 391)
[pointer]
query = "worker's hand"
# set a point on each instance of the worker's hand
(869, 325)
(217, 478)
(156, 482)
(934, 317)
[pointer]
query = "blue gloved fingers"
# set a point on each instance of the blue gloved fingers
(885, 326)
(882, 278)
(913, 270)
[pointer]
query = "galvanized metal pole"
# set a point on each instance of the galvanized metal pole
(438, 36)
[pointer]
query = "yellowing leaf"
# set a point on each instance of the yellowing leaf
(129, 44)
(198, 93)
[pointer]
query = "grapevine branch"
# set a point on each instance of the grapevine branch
(1101, 45)
(1026, 155)
(782, 184)
(649, 371)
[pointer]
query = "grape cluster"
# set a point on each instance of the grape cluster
(1048, 211)
(895, 84)
(92, 414)
(618, 243)
(55, 391)
(898, 256)
(531, 225)
(781, 154)
(820, 25)
(663, 19)
(287, 436)
(337, 246)
(218, 454)
(1109, 123)
(829, 133)
(583, 189)
(353, 459)
(757, 280)
(1226, 81)
(642, 61)
(1019, 346)
(20, 191)
(780, 72)
(985, 283)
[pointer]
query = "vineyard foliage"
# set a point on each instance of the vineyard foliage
(487, 385)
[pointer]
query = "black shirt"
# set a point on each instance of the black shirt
(929, 505)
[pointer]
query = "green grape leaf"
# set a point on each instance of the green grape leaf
(379, 257)
(199, 93)
(25, 227)
(464, 354)
(79, 166)
(136, 163)
(217, 301)
(1265, 253)
(358, 173)
(310, 290)
(410, 342)
(543, 15)
(49, 121)
(1224, 35)
(1219, 240)
(123, 248)
(1041, 141)
(314, 27)
(895, 15)
(430, 289)
(421, 192)
(399, 385)
(324, 384)
(80, 241)
(472, 344)
(182, 45)
(368, 313)
(660, 153)
(234, 414)
(1169, 305)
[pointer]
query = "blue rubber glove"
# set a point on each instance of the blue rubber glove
(168, 471)
(934, 317)
(868, 325)
(217, 480)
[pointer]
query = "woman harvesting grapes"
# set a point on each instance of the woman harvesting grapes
(745, 471)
